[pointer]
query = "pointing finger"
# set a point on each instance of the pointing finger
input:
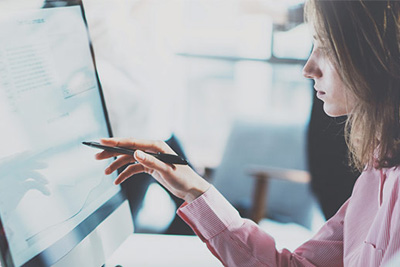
(128, 172)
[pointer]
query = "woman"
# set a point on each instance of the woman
(355, 64)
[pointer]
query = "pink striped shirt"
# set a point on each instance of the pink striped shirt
(364, 232)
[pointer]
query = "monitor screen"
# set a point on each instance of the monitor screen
(52, 191)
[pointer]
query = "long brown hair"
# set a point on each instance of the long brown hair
(364, 38)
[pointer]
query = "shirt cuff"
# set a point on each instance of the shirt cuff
(209, 214)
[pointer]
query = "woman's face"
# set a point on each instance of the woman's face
(328, 84)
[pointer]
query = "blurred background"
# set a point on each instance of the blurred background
(196, 66)
(222, 81)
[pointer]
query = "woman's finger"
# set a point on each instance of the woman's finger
(118, 163)
(145, 145)
(128, 172)
(151, 162)
(106, 155)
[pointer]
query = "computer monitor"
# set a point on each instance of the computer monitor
(56, 205)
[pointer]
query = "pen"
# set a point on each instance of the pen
(166, 158)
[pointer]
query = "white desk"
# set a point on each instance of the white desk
(163, 251)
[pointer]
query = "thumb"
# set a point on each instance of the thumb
(149, 161)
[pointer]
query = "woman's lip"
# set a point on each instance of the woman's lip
(320, 94)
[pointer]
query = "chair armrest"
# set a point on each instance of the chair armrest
(262, 174)
(265, 172)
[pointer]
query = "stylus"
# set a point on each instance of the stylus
(166, 158)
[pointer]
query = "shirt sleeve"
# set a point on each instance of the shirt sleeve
(240, 242)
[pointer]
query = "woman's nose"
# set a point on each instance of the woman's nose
(311, 69)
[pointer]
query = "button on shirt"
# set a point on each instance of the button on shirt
(364, 232)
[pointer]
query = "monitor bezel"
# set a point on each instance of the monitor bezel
(63, 246)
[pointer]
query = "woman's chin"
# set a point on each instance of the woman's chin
(334, 111)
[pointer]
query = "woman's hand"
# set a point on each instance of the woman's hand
(180, 180)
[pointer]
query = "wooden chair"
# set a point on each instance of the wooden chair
(257, 144)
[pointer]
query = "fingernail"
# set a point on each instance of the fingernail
(140, 155)
(107, 171)
(104, 140)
